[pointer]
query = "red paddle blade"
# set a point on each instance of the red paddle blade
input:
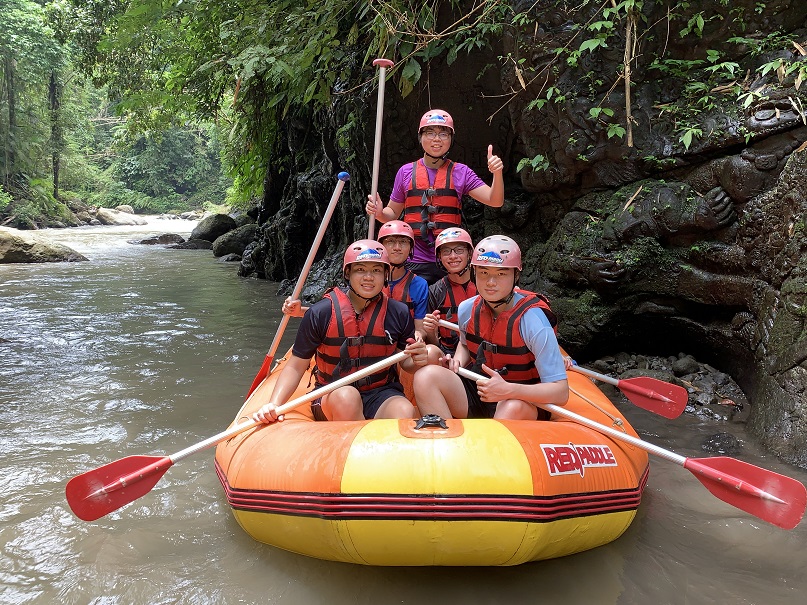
(266, 366)
(98, 492)
(663, 398)
(770, 496)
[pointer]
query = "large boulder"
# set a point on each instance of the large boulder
(109, 216)
(213, 227)
(23, 247)
(235, 241)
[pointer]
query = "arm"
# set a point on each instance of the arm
(286, 384)
(375, 207)
(492, 195)
(497, 389)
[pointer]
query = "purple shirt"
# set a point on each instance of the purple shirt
(464, 180)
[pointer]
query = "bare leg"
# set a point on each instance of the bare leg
(440, 391)
(396, 407)
(515, 409)
(343, 404)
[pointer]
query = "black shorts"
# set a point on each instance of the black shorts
(431, 272)
(483, 409)
(371, 400)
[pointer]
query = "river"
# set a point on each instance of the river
(145, 350)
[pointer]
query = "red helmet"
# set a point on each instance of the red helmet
(365, 251)
(436, 117)
(452, 235)
(396, 228)
(497, 251)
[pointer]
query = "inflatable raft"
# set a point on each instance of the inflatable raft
(408, 492)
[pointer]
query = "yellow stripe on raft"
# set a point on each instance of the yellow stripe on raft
(436, 466)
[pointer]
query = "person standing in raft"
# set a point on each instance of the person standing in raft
(505, 335)
(399, 241)
(351, 329)
(429, 191)
(453, 248)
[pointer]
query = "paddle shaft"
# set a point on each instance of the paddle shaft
(382, 65)
(309, 261)
(696, 466)
(294, 403)
(158, 466)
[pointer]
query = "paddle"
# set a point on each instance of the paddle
(642, 391)
(772, 497)
(266, 366)
(105, 489)
(382, 65)
(663, 398)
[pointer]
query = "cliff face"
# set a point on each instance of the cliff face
(692, 237)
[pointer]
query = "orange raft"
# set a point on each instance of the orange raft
(388, 492)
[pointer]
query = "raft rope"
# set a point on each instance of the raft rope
(617, 422)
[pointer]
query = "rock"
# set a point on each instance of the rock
(108, 216)
(721, 443)
(685, 365)
(192, 244)
(22, 247)
(230, 258)
(235, 241)
(164, 238)
(125, 208)
(213, 227)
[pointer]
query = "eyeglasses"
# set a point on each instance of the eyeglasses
(432, 135)
(396, 242)
(458, 250)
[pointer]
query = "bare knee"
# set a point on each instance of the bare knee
(343, 404)
(516, 409)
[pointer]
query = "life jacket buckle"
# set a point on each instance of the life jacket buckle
(489, 346)
(354, 341)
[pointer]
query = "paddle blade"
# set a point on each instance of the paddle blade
(266, 366)
(663, 398)
(770, 496)
(98, 492)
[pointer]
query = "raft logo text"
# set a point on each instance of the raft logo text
(568, 459)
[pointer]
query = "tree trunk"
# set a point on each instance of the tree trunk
(9, 64)
(56, 134)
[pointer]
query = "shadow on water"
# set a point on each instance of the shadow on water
(145, 350)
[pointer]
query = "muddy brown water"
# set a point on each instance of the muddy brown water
(145, 350)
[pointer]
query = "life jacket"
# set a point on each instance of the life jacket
(441, 199)
(400, 291)
(455, 294)
(352, 343)
(498, 342)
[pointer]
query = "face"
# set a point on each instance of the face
(435, 140)
(494, 283)
(454, 256)
(398, 248)
(367, 278)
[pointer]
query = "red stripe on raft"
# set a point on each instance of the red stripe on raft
(483, 507)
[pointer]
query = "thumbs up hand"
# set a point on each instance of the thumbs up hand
(495, 163)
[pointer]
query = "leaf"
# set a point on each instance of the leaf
(800, 48)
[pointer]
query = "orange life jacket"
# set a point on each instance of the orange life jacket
(432, 208)
(400, 291)
(499, 340)
(455, 294)
(352, 343)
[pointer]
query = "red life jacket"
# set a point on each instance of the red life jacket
(353, 343)
(502, 346)
(400, 291)
(455, 294)
(432, 208)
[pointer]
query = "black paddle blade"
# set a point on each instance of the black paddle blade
(770, 496)
(98, 492)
